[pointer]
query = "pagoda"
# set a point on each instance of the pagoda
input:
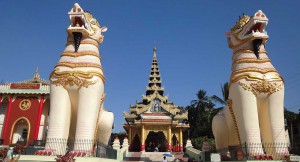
(155, 124)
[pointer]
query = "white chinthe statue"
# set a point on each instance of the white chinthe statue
(77, 88)
(255, 110)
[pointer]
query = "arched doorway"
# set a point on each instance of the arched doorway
(20, 131)
(175, 144)
(135, 144)
(156, 139)
(174, 140)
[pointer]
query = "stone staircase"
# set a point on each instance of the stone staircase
(180, 157)
(152, 157)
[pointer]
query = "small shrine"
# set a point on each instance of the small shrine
(24, 107)
(155, 124)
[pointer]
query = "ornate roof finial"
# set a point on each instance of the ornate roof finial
(36, 79)
(36, 75)
(154, 52)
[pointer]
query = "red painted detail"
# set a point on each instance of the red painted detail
(180, 148)
(78, 20)
(155, 114)
(156, 120)
(142, 147)
(270, 157)
(175, 148)
(37, 128)
(261, 157)
(6, 140)
(14, 114)
(170, 146)
(24, 86)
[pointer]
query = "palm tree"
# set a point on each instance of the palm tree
(225, 94)
(202, 100)
(200, 114)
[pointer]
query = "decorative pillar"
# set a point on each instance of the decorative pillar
(143, 138)
(169, 138)
(6, 140)
(188, 144)
(129, 135)
(125, 145)
(37, 128)
(180, 140)
(116, 144)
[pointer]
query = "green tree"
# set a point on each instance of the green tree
(198, 142)
(221, 101)
(200, 115)
(201, 101)
(202, 110)
(225, 94)
(289, 115)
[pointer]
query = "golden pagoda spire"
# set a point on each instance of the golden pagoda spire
(36, 75)
(36, 79)
(154, 84)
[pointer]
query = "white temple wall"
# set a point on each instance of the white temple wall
(41, 132)
(18, 131)
(3, 110)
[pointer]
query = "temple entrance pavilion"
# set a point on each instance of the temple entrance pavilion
(156, 142)
(155, 122)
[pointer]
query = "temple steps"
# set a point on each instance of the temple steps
(152, 157)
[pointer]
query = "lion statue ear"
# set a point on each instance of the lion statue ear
(230, 44)
(103, 29)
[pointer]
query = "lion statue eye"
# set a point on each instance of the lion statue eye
(93, 22)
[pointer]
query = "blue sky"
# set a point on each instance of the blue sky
(190, 38)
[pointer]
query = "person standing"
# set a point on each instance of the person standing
(165, 159)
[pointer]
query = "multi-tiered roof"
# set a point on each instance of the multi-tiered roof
(154, 103)
(35, 85)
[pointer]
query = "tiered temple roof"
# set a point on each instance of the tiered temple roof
(36, 79)
(35, 85)
(154, 106)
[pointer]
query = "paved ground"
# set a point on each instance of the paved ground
(153, 156)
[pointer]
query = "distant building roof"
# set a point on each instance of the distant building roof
(35, 85)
